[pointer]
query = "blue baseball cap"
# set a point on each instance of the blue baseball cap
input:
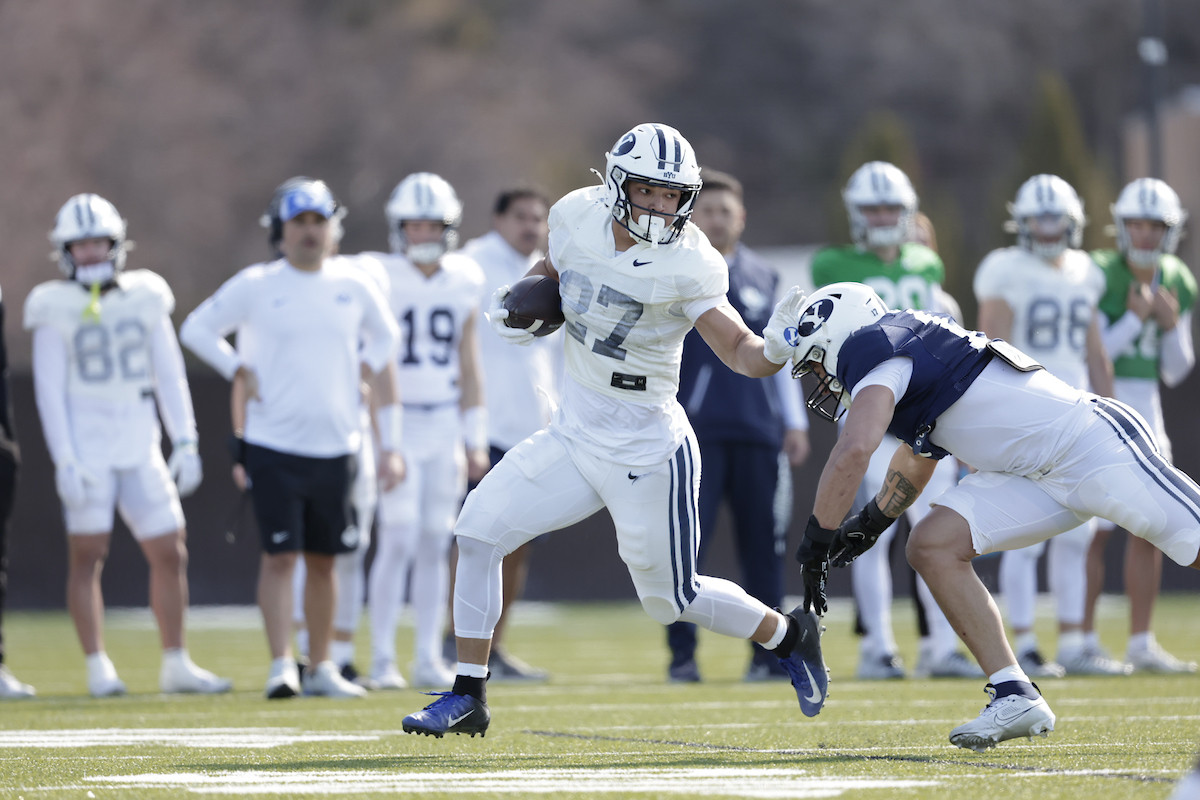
(308, 196)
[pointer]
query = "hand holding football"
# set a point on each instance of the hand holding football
(534, 305)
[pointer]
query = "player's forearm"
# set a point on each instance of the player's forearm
(907, 476)
(1178, 355)
(50, 393)
(171, 386)
(839, 482)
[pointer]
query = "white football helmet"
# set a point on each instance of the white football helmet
(88, 216)
(295, 196)
(878, 183)
(423, 195)
(1047, 216)
(833, 313)
(1148, 198)
(657, 155)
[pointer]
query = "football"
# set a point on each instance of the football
(534, 305)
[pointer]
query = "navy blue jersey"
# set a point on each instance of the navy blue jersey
(946, 359)
(721, 404)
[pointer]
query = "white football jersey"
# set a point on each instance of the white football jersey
(1052, 306)
(626, 317)
(110, 380)
(431, 312)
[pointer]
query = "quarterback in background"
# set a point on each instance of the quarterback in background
(104, 351)
(435, 298)
(635, 276)
(1146, 323)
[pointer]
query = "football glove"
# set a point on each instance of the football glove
(813, 555)
(184, 466)
(858, 534)
(72, 479)
(781, 334)
(497, 313)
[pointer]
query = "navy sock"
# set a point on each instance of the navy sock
(472, 687)
(1019, 688)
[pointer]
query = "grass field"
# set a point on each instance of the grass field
(606, 726)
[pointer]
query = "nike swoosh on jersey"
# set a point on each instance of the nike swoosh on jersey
(633, 477)
(815, 697)
(279, 536)
(637, 263)
(455, 720)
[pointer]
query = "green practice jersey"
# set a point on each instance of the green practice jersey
(907, 282)
(1140, 359)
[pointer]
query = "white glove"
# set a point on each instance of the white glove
(497, 313)
(184, 466)
(782, 334)
(72, 479)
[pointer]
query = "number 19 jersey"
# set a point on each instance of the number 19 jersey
(627, 314)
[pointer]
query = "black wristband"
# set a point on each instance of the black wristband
(815, 532)
(237, 449)
(873, 520)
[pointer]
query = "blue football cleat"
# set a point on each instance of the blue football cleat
(450, 713)
(805, 665)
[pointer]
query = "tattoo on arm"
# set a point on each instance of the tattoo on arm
(897, 494)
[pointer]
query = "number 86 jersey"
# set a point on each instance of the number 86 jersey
(109, 379)
(1052, 306)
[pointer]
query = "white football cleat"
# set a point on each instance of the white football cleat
(102, 677)
(180, 676)
(11, 688)
(1034, 664)
(953, 665)
(325, 680)
(385, 676)
(432, 675)
(1156, 659)
(1086, 662)
(283, 680)
(1004, 718)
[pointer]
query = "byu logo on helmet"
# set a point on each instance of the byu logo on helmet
(625, 145)
(815, 316)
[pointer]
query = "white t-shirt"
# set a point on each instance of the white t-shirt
(521, 383)
(301, 334)
(97, 374)
(626, 317)
(1052, 306)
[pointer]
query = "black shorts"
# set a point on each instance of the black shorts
(303, 503)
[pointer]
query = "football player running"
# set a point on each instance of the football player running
(882, 206)
(435, 298)
(1048, 456)
(1146, 323)
(635, 276)
(1042, 295)
(104, 351)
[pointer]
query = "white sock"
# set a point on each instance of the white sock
(341, 653)
(174, 654)
(472, 670)
(1091, 640)
(1069, 644)
(1026, 642)
(777, 637)
(1013, 673)
(1141, 641)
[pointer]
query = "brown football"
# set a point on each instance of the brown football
(534, 305)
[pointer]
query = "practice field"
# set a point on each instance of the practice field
(607, 726)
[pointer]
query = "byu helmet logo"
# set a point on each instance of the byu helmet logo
(815, 316)
(625, 145)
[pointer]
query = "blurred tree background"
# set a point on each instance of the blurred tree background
(186, 115)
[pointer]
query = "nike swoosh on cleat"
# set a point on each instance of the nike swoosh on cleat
(815, 697)
(455, 720)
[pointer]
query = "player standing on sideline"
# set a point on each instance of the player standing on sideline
(10, 460)
(311, 327)
(1048, 456)
(104, 351)
(1041, 295)
(882, 205)
(522, 382)
(1146, 324)
(634, 278)
(435, 296)
(750, 431)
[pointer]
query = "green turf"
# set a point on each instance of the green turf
(606, 726)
